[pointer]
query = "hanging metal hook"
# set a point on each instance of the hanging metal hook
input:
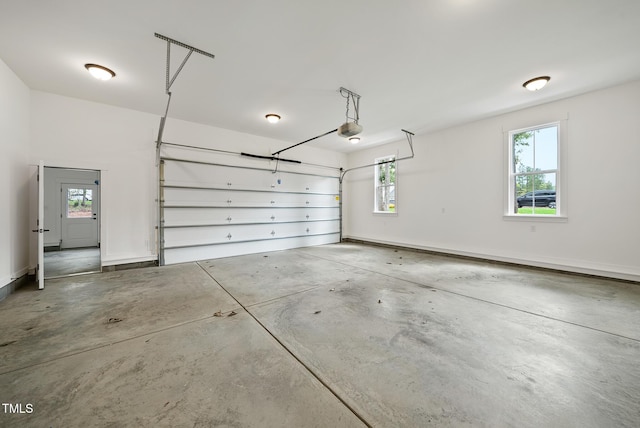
(355, 99)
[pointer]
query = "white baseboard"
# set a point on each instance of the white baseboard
(124, 261)
(22, 272)
(11, 283)
(5, 280)
(615, 272)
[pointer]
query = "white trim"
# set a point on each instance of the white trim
(375, 184)
(112, 262)
(22, 272)
(606, 271)
(539, 217)
(6, 280)
(560, 172)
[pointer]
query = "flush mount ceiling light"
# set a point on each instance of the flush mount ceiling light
(99, 72)
(354, 140)
(536, 83)
(273, 118)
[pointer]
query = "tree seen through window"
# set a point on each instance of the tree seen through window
(535, 170)
(385, 196)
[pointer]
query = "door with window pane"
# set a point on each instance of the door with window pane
(79, 222)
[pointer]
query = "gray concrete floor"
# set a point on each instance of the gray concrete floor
(333, 336)
(71, 262)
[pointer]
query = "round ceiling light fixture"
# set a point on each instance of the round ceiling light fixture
(536, 83)
(100, 72)
(273, 118)
(354, 140)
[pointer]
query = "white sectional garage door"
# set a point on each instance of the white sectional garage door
(216, 205)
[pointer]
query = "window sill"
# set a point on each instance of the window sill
(385, 213)
(541, 218)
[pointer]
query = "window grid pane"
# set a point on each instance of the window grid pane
(534, 171)
(385, 176)
(79, 203)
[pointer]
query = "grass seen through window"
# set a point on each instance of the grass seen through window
(537, 210)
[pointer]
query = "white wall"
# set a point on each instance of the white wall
(460, 170)
(181, 132)
(451, 195)
(71, 133)
(14, 176)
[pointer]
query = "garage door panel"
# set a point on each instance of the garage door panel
(193, 174)
(214, 197)
(189, 197)
(182, 255)
(307, 214)
(205, 216)
(311, 184)
(185, 236)
(238, 178)
(209, 206)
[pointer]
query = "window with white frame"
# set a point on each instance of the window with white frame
(534, 171)
(385, 185)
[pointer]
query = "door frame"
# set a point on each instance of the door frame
(38, 246)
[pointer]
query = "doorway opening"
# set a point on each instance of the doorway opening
(71, 217)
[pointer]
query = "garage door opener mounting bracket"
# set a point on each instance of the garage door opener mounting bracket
(169, 81)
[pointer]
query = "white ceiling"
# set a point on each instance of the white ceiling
(420, 65)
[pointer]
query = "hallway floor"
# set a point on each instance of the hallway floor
(71, 262)
(332, 336)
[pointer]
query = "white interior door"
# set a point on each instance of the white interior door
(79, 216)
(40, 226)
